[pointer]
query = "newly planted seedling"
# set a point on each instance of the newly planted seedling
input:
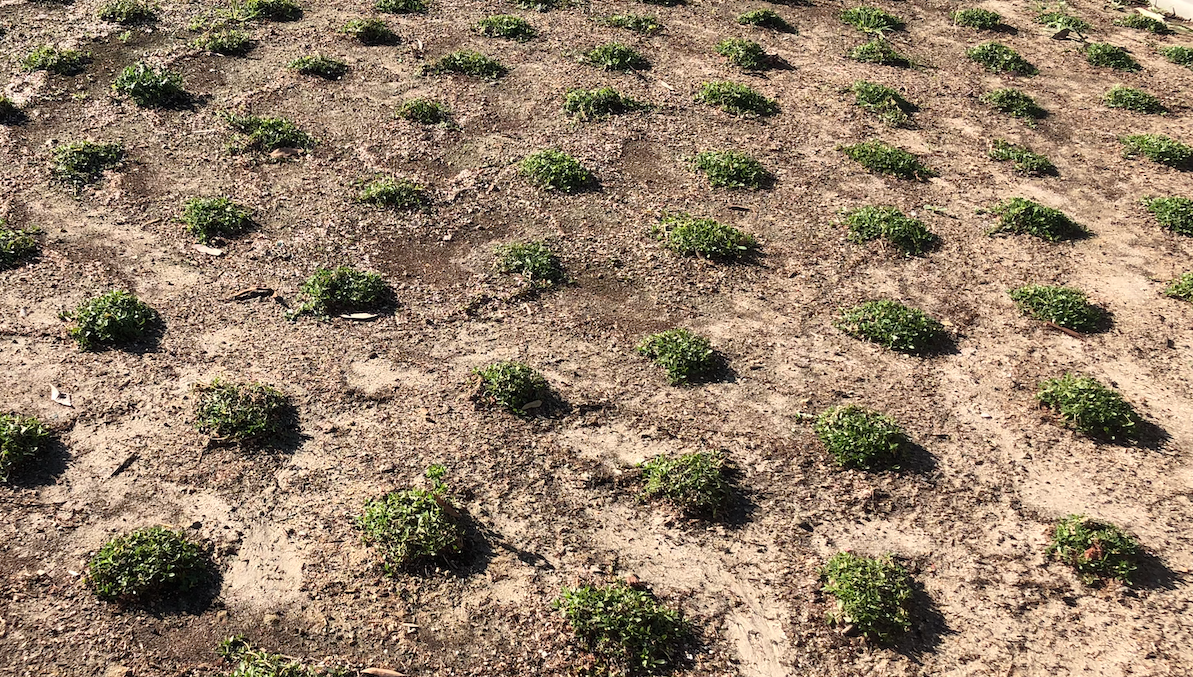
(1021, 216)
(1173, 213)
(1133, 99)
(645, 24)
(424, 111)
(505, 26)
(114, 319)
(414, 525)
(467, 62)
(908, 235)
(732, 169)
(615, 56)
(266, 10)
(873, 594)
(342, 290)
(396, 194)
(1181, 56)
(1144, 23)
(539, 5)
(250, 662)
(1058, 18)
(127, 12)
(1106, 55)
(83, 162)
(513, 386)
(22, 440)
(1181, 288)
(1063, 306)
(879, 51)
(892, 325)
(147, 565)
(268, 134)
(533, 260)
(230, 42)
(206, 218)
(693, 482)
(1014, 103)
(401, 6)
(238, 412)
(625, 625)
(370, 32)
(863, 439)
(765, 18)
(1022, 158)
(999, 58)
(151, 87)
(883, 158)
(1096, 550)
(883, 101)
(687, 358)
(555, 170)
(17, 246)
(871, 20)
(319, 66)
(736, 99)
(975, 17)
(1090, 407)
(745, 54)
(1158, 148)
(690, 236)
(54, 60)
(596, 104)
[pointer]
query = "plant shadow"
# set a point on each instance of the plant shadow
(191, 603)
(1154, 574)
(46, 468)
(928, 626)
(917, 460)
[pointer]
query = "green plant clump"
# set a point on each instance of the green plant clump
(401, 6)
(17, 246)
(732, 169)
(229, 42)
(413, 525)
(975, 17)
(871, 19)
(1024, 217)
(238, 412)
(370, 32)
(614, 56)
(112, 319)
(883, 158)
(555, 170)
(1022, 158)
(694, 482)
(1144, 23)
(686, 357)
(883, 101)
(1058, 19)
(83, 162)
(1133, 99)
(879, 51)
(862, 439)
(319, 66)
(512, 386)
(505, 26)
(1158, 148)
(736, 99)
(1097, 550)
(148, 564)
(150, 87)
(1181, 56)
(467, 62)
(908, 235)
(1181, 288)
(625, 625)
(765, 18)
(22, 438)
(745, 54)
(532, 260)
(893, 325)
(267, 134)
(644, 24)
(206, 218)
(341, 290)
(1090, 407)
(873, 594)
(1014, 103)
(250, 662)
(999, 58)
(1173, 213)
(268, 10)
(397, 194)
(1106, 55)
(690, 236)
(54, 60)
(597, 104)
(1063, 306)
(424, 111)
(127, 12)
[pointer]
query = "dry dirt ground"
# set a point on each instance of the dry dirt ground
(553, 499)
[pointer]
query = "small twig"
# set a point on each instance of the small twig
(1065, 330)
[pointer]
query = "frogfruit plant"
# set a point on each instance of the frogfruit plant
(533, 260)
(54, 60)
(765, 18)
(1133, 99)
(908, 235)
(268, 134)
(732, 169)
(886, 103)
(873, 594)
(207, 218)
(861, 438)
(22, 439)
(507, 26)
(1143, 23)
(1096, 550)
(370, 32)
(1181, 288)
(80, 163)
(745, 54)
(893, 325)
(879, 51)
(1107, 55)
(320, 66)
(999, 58)
(1158, 148)
(555, 170)
(736, 99)
(625, 625)
(396, 194)
(1173, 213)
(510, 385)
(1090, 407)
(691, 236)
(596, 104)
(17, 246)
(1063, 306)
(148, 564)
(1025, 217)
(694, 482)
(1022, 159)
(238, 412)
(975, 17)
(467, 62)
(424, 111)
(114, 319)
(687, 357)
(341, 290)
(615, 56)
(883, 158)
(1014, 103)
(413, 525)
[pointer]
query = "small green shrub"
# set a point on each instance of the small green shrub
(1014, 103)
(413, 525)
(229, 42)
(147, 565)
(892, 325)
(745, 54)
(1057, 19)
(82, 162)
(975, 17)
(1173, 213)
(597, 104)
(883, 101)
(505, 26)
(511, 386)
(1144, 23)
(1106, 55)
(113, 319)
(467, 62)
(1133, 99)
(1158, 148)
(127, 12)
(370, 32)
(250, 662)
(54, 60)
(879, 51)
(732, 169)
(1022, 158)
(862, 439)
(873, 594)
(424, 111)
(151, 87)
(397, 194)
(883, 158)
(871, 19)
(1090, 407)
(614, 56)
(645, 24)
(341, 290)
(1063, 306)
(1097, 550)
(267, 10)
(765, 18)
(694, 482)
(267, 134)
(999, 58)
(533, 260)
(555, 170)
(539, 5)
(625, 625)
(401, 6)
(1024, 217)
(319, 66)
(17, 246)
(10, 113)
(690, 236)
(1181, 288)
(687, 358)
(22, 439)
(238, 412)
(736, 99)
(1181, 56)
(206, 218)
(908, 235)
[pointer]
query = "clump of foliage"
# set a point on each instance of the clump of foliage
(999, 58)
(615, 56)
(625, 625)
(267, 134)
(9, 112)
(424, 111)
(596, 104)
(873, 594)
(505, 26)
(732, 169)
(686, 357)
(555, 170)
(250, 662)
(736, 99)
(765, 18)
(341, 290)
(467, 62)
(1057, 18)
(1106, 55)
(319, 66)
(690, 236)
(1025, 217)
(908, 235)
(1181, 288)
(22, 438)
(1133, 99)
(413, 525)
(975, 17)
(645, 24)
(871, 19)
(1090, 407)
(1173, 213)
(83, 162)
(539, 5)
(1143, 23)
(127, 12)
(745, 54)
(694, 482)
(1014, 103)
(17, 246)
(113, 319)
(206, 218)
(532, 260)
(892, 325)
(1158, 148)
(150, 87)
(238, 412)
(666, 3)
(398, 194)
(861, 438)
(879, 51)
(370, 32)
(1023, 159)
(510, 385)
(147, 565)
(229, 42)
(401, 6)
(883, 101)
(1064, 306)
(883, 158)
(1181, 56)
(54, 60)
(267, 10)
(1097, 550)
